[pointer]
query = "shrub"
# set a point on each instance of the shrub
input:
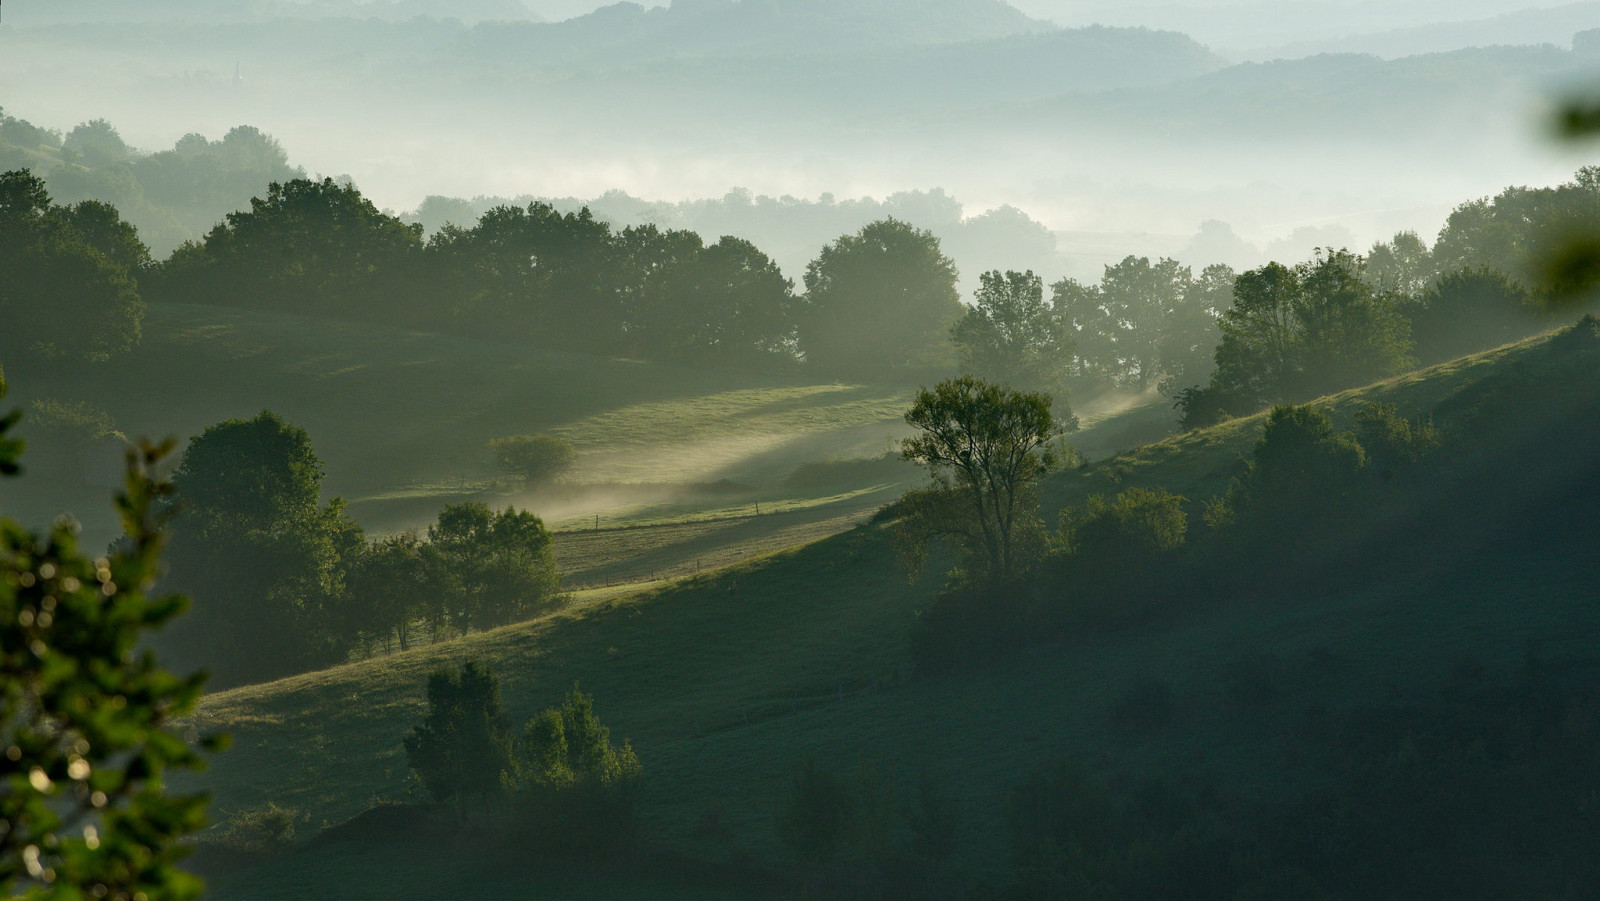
(580, 792)
(1139, 520)
(537, 459)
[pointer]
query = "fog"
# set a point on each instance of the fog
(1118, 141)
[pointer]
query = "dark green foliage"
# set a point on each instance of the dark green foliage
(1012, 336)
(89, 718)
(307, 247)
(561, 788)
(985, 446)
(1144, 324)
(815, 814)
(1467, 311)
(532, 273)
(463, 748)
(491, 568)
(389, 588)
(1392, 443)
(1300, 463)
(1534, 235)
(68, 292)
(537, 459)
(1295, 333)
(263, 557)
(579, 792)
(1139, 522)
(883, 298)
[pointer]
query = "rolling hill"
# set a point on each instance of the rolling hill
(727, 681)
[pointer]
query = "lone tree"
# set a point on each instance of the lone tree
(538, 459)
(986, 446)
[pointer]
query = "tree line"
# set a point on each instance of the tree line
(285, 583)
(882, 299)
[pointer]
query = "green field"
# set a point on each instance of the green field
(402, 421)
(725, 682)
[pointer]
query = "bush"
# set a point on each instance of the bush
(1391, 442)
(537, 459)
(1138, 521)
(580, 792)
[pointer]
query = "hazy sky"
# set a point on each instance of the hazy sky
(1078, 11)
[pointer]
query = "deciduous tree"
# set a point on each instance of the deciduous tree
(985, 446)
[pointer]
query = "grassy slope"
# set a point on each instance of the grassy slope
(402, 419)
(727, 681)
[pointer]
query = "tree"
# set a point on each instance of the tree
(492, 568)
(745, 306)
(1012, 336)
(463, 747)
(88, 719)
(882, 298)
(307, 247)
(1140, 521)
(537, 459)
(985, 446)
(96, 143)
(1295, 333)
(568, 745)
(1189, 329)
(263, 557)
(1137, 298)
(1469, 311)
(388, 589)
(534, 273)
(1403, 265)
(62, 296)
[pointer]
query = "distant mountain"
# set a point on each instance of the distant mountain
(202, 12)
(644, 81)
(1550, 25)
(696, 28)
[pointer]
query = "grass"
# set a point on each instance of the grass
(402, 420)
(726, 681)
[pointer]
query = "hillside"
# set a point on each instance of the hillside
(726, 682)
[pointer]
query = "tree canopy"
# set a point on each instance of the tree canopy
(985, 446)
(884, 297)
(1012, 335)
(69, 289)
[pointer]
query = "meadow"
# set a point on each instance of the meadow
(727, 681)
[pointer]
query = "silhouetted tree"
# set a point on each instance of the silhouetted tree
(463, 748)
(537, 459)
(985, 446)
(65, 294)
(884, 297)
(491, 568)
(264, 559)
(307, 247)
